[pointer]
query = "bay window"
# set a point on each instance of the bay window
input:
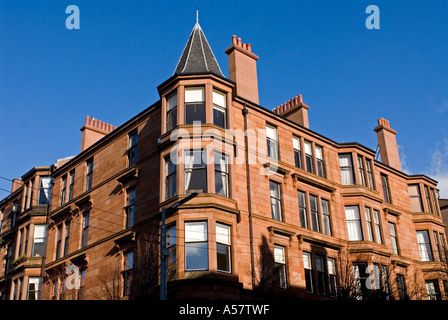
(221, 174)
(353, 223)
(376, 220)
(39, 240)
(171, 112)
(424, 245)
(223, 249)
(195, 171)
(196, 246)
(361, 171)
(346, 167)
(170, 178)
(34, 284)
(44, 190)
(415, 198)
(219, 109)
(194, 105)
(393, 237)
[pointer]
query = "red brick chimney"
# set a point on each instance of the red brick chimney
(93, 131)
(387, 143)
(16, 184)
(294, 110)
(243, 69)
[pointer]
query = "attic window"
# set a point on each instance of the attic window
(194, 105)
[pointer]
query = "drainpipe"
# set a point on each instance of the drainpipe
(249, 201)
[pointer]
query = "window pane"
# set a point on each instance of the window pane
(222, 234)
(219, 117)
(194, 112)
(194, 95)
(223, 257)
(196, 256)
(279, 254)
(171, 102)
(219, 99)
(195, 231)
(272, 143)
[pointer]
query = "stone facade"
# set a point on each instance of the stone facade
(286, 213)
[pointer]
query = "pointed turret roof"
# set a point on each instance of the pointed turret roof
(197, 56)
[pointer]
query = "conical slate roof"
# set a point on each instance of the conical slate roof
(197, 56)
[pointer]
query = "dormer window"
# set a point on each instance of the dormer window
(219, 109)
(194, 105)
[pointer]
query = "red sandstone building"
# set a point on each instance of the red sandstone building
(282, 211)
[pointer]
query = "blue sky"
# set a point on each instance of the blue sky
(52, 77)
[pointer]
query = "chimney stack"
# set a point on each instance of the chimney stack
(93, 131)
(16, 184)
(294, 110)
(387, 143)
(243, 69)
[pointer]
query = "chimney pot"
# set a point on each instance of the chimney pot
(244, 46)
(300, 98)
(249, 47)
(239, 42)
(234, 39)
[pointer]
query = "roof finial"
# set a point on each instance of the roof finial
(197, 16)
